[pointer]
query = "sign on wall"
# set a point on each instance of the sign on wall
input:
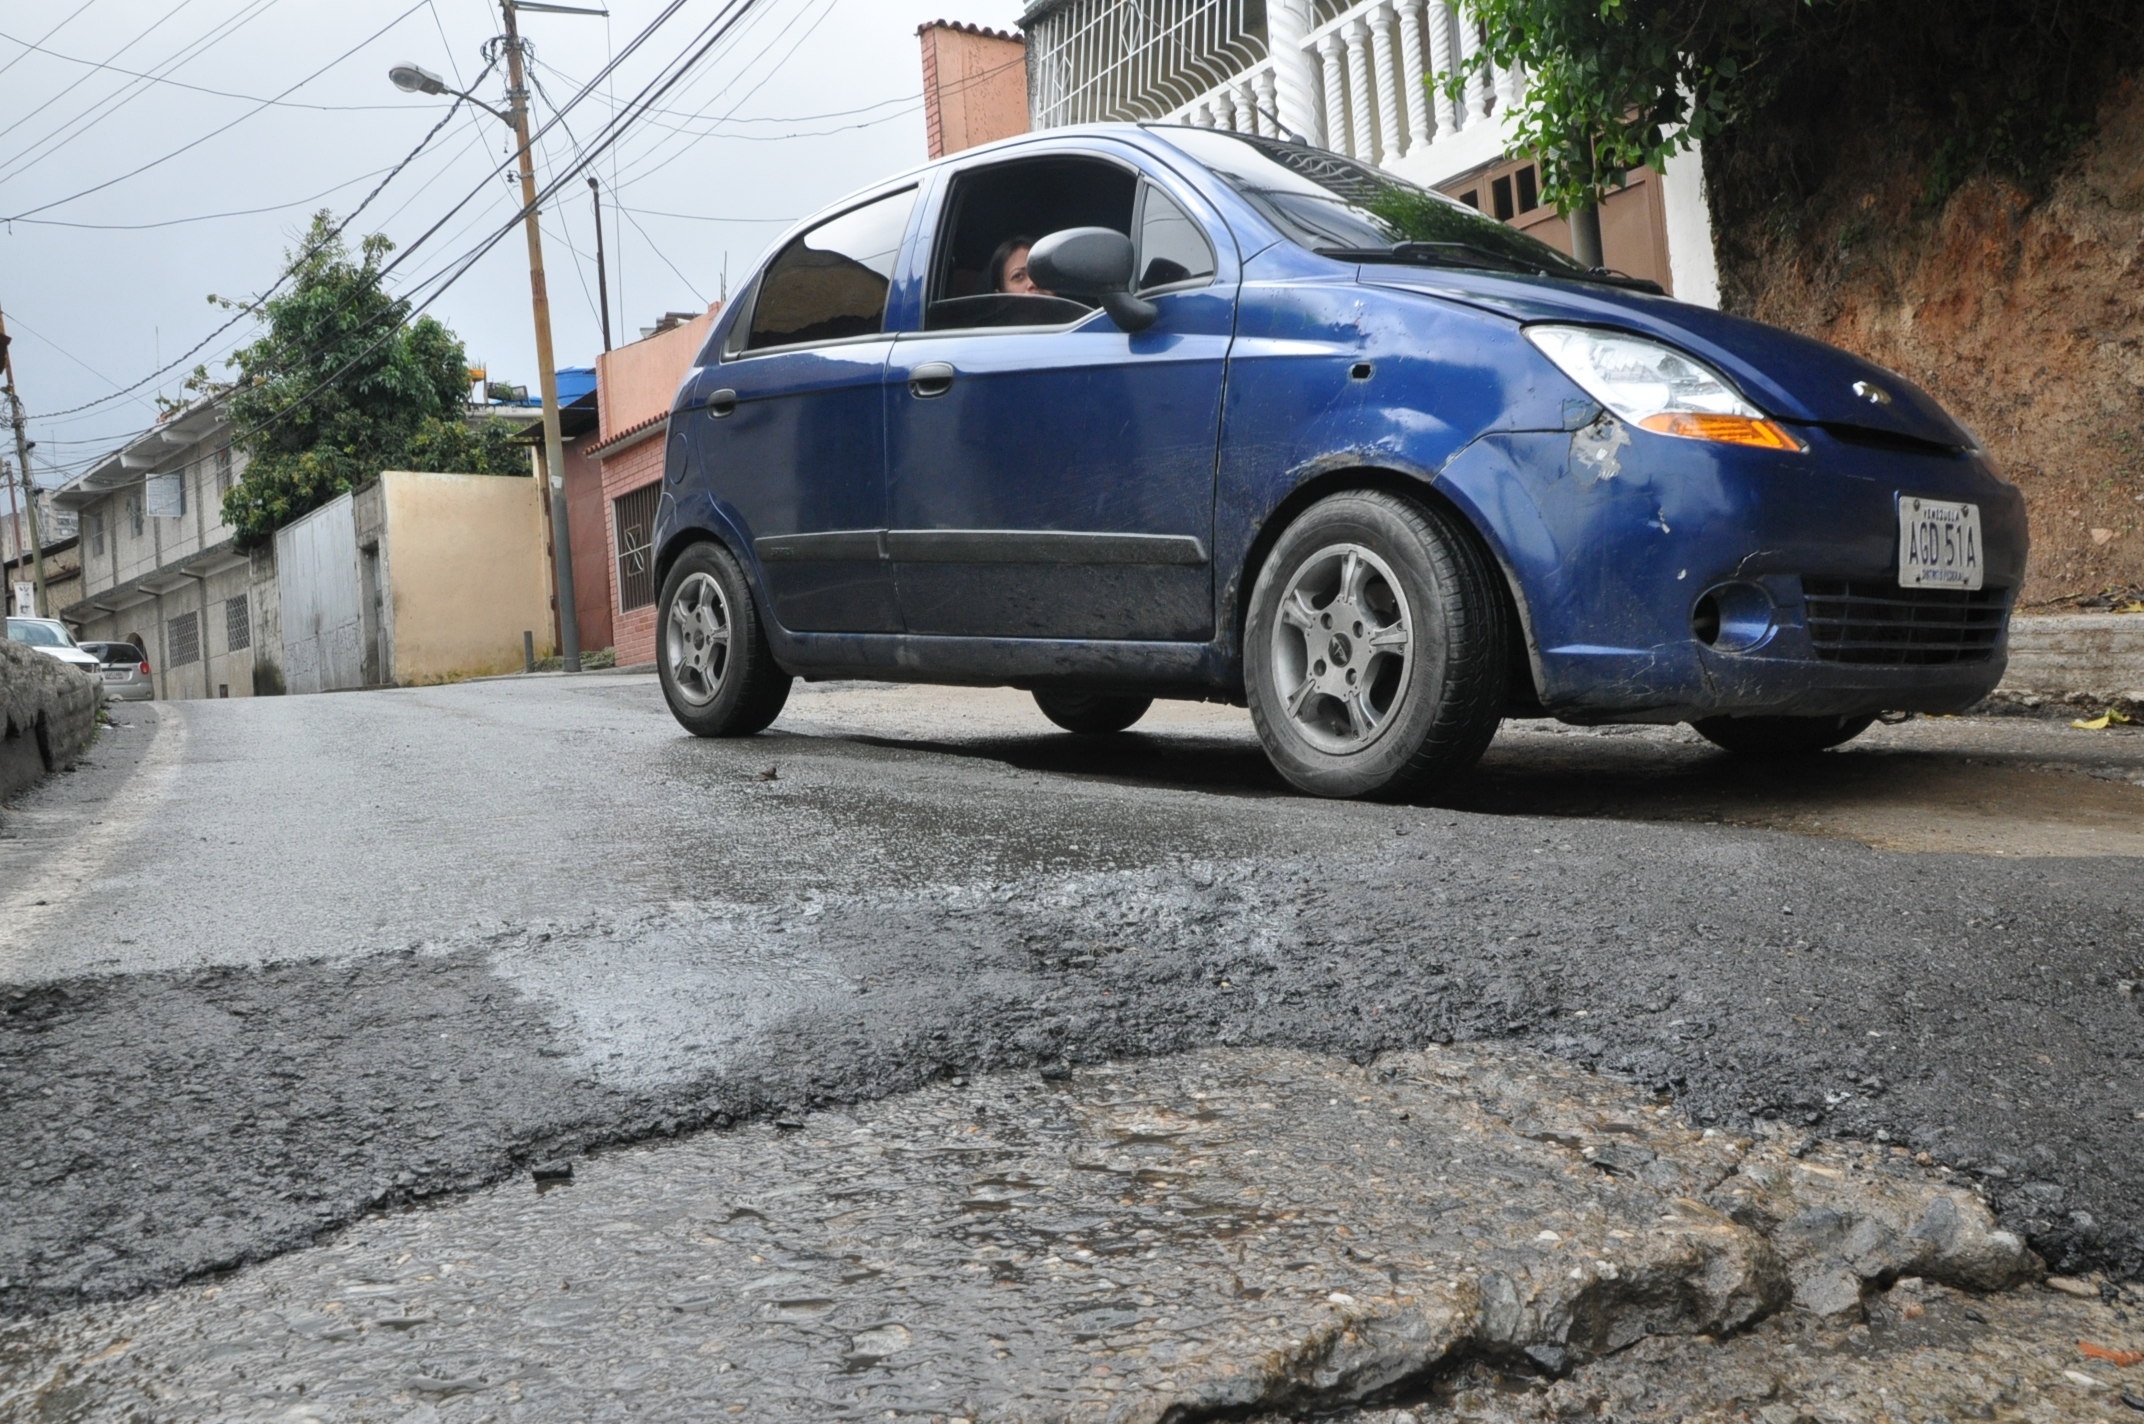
(164, 496)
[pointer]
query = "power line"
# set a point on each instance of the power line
(4, 68)
(450, 273)
(196, 143)
(56, 139)
(31, 47)
(698, 217)
(161, 20)
(206, 217)
(289, 270)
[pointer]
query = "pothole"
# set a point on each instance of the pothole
(1211, 1235)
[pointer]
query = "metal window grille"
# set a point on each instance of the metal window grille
(134, 513)
(185, 639)
(96, 532)
(634, 517)
(237, 623)
(1095, 60)
(223, 471)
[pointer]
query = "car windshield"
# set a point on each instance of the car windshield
(1332, 204)
(38, 633)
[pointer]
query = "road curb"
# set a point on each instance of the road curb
(2086, 661)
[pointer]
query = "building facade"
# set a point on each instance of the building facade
(635, 385)
(1368, 78)
(159, 568)
(974, 86)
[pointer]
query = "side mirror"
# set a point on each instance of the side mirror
(1092, 264)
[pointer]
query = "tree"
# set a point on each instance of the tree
(342, 385)
(1613, 85)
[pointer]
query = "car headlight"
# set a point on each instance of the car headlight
(1658, 388)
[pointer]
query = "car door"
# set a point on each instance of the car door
(790, 420)
(1057, 481)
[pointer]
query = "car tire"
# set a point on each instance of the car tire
(711, 653)
(1403, 692)
(1780, 736)
(1091, 714)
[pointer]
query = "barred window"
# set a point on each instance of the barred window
(223, 471)
(134, 512)
(185, 639)
(96, 532)
(237, 624)
(634, 516)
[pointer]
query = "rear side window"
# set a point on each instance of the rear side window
(1172, 248)
(832, 282)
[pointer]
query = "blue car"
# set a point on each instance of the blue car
(1132, 412)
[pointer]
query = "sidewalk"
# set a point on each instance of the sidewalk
(2087, 661)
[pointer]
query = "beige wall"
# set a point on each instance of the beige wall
(639, 381)
(974, 86)
(463, 562)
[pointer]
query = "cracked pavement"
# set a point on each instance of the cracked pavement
(300, 960)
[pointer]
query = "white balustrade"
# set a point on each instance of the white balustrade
(1372, 81)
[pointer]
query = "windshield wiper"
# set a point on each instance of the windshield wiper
(1439, 254)
(1466, 254)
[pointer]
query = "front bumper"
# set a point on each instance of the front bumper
(1613, 537)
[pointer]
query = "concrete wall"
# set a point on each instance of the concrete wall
(463, 570)
(2089, 661)
(637, 382)
(974, 86)
(48, 714)
(586, 518)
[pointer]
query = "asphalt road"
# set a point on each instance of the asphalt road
(266, 965)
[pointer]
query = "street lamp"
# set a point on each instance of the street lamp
(412, 79)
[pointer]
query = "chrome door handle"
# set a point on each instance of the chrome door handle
(721, 403)
(931, 379)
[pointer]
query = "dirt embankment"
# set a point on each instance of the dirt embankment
(2023, 313)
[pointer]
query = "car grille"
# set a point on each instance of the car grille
(1871, 622)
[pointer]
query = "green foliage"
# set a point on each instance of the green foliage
(343, 385)
(1614, 85)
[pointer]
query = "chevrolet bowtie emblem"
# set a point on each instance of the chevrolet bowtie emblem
(1872, 393)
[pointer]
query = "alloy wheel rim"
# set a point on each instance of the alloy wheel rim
(696, 639)
(1342, 648)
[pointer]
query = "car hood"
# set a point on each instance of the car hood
(68, 655)
(1790, 376)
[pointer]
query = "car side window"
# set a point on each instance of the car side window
(994, 215)
(1173, 250)
(832, 282)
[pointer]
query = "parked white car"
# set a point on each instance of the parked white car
(50, 637)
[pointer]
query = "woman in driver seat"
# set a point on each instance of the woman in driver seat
(1008, 268)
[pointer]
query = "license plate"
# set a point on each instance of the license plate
(1938, 544)
(115, 676)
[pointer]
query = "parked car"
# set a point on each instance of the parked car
(1280, 429)
(50, 637)
(125, 669)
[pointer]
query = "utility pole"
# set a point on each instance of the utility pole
(22, 468)
(554, 450)
(595, 195)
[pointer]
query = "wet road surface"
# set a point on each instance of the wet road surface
(270, 965)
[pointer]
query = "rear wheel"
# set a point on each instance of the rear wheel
(1375, 651)
(1092, 714)
(1780, 736)
(718, 674)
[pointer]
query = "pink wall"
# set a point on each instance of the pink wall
(636, 382)
(974, 86)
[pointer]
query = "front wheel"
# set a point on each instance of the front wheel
(711, 653)
(1780, 736)
(1375, 653)
(1091, 714)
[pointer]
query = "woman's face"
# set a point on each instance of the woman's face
(1016, 278)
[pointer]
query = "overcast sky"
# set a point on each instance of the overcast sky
(105, 271)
